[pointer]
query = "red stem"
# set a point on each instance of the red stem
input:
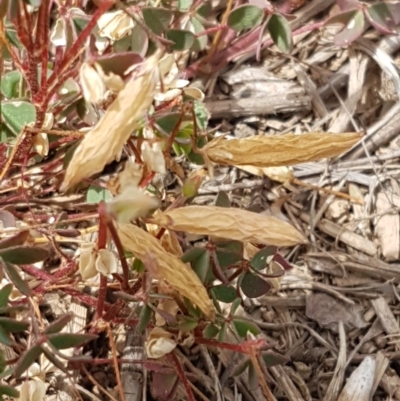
(102, 244)
(121, 254)
(182, 376)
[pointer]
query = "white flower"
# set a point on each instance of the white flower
(32, 390)
(87, 260)
(93, 85)
(115, 25)
(159, 343)
(106, 262)
(153, 157)
(132, 204)
(59, 34)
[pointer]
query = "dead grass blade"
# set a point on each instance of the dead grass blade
(279, 150)
(169, 268)
(105, 141)
(235, 224)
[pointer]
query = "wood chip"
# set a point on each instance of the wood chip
(387, 227)
(385, 314)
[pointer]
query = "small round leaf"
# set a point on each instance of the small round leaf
(261, 258)
(157, 19)
(272, 358)
(224, 293)
(253, 286)
(210, 331)
(354, 25)
(245, 17)
(24, 255)
(182, 39)
(243, 326)
(381, 18)
(280, 32)
(18, 114)
(10, 83)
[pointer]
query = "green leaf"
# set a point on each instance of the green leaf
(144, 318)
(188, 323)
(138, 266)
(5, 337)
(244, 326)
(12, 325)
(59, 324)
(5, 294)
(24, 255)
(354, 25)
(210, 331)
(202, 116)
(222, 332)
(184, 5)
(8, 391)
(139, 40)
(253, 286)
(27, 359)
(14, 240)
(224, 293)
(262, 258)
(182, 39)
(157, 19)
(67, 340)
(16, 279)
(95, 195)
(381, 18)
(234, 306)
(280, 32)
(241, 368)
(18, 114)
(200, 42)
(192, 309)
(199, 259)
(229, 253)
(272, 358)
(244, 17)
(10, 84)
(6, 135)
(222, 200)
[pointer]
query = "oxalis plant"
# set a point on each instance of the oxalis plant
(86, 83)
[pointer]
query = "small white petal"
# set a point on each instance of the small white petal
(59, 34)
(93, 86)
(87, 267)
(132, 204)
(115, 25)
(153, 157)
(106, 262)
(159, 343)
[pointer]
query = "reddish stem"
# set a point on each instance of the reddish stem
(121, 254)
(182, 376)
(102, 244)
